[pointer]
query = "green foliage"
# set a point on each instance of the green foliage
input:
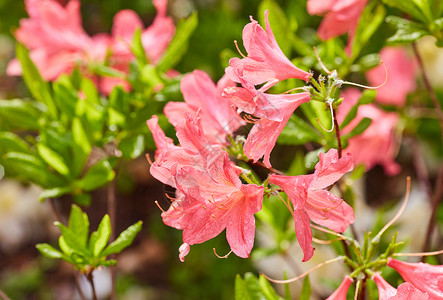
(86, 252)
(253, 288)
(298, 132)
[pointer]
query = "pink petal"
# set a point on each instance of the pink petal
(341, 292)
(319, 7)
(265, 62)
(427, 278)
(401, 76)
(407, 291)
(296, 187)
(125, 23)
(330, 169)
(385, 290)
(304, 233)
(328, 210)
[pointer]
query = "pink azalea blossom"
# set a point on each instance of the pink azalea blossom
(405, 291)
(272, 111)
(401, 76)
(265, 61)
(425, 277)
(341, 292)
(312, 201)
(57, 42)
(155, 40)
(340, 17)
(210, 196)
(204, 98)
(376, 145)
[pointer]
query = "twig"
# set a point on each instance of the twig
(337, 133)
(439, 181)
(271, 169)
(77, 283)
(91, 281)
(54, 210)
(112, 206)
(4, 296)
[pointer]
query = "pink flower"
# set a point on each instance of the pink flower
(405, 291)
(425, 277)
(341, 292)
(341, 16)
(210, 196)
(376, 145)
(155, 40)
(265, 61)
(401, 76)
(204, 98)
(271, 112)
(312, 201)
(55, 38)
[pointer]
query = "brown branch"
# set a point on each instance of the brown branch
(112, 207)
(436, 198)
(337, 133)
(3, 296)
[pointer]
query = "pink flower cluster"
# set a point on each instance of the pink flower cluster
(210, 197)
(377, 144)
(422, 282)
(340, 17)
(57, 42)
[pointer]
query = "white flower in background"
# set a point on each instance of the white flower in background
(22, 217)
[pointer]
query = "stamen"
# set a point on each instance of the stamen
(370, 87)
(238, 49)
(156, 202)
(341, 236)
(149, 159)
(305, 273)
(320, 62)
(326, 242)
(170, 198)
(419, 254)
(224, 256)
(399, 213)
(357, 287)
(332, 118)
(294, 89)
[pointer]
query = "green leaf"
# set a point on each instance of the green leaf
(90, 91)
(72, 239)
(108, 71)
(33, 169)
(54, 192)
(99, 239)
(96, 176)
(297, 132)
(35, 83)
(407, 6)
(241, 292)
(407, 31)
(150, 76)
(267, 289)
(13, 143)
(179, 43)
(81, 148)
(49, 251)
(361, 126)
(53, 159)
(65, 96)
(132, 146)
(82, 199)
(311, 158)
(79, 224)
(20, 114)
(124, 239)
(306, 289)
(137, 48)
